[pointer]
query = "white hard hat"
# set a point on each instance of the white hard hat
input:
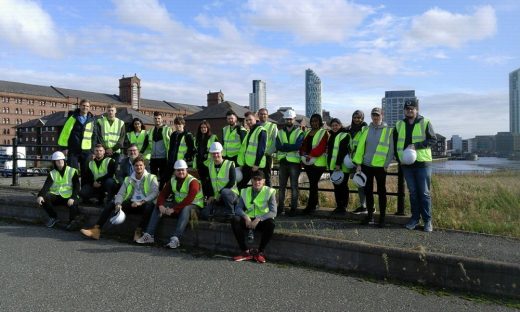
(308, 163)
(58, 155)
(238, 174)
(289, 114)
(337, 177)
(409, 156)
(359, 179)
(347, 161)
(180, 164)
(119, 217)
(215, 147)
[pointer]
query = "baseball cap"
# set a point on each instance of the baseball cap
(376, 111)
(412, 103)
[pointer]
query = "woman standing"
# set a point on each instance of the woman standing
(313, 152)
(338, 146)
(137, 135)
(357, 124)
(203, 141)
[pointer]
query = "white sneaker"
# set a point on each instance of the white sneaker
(145, 239)
(174, 242)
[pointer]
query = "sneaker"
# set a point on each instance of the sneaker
(145, 239)
(428, 227)
(260, 257)
(244, 256)
(52, 222)
(340, 212)
(412, 224)
(360, 210)
(174, 242)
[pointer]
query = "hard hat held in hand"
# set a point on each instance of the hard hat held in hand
(119, 217)
(308, 163)
(347, 161)
(238, 174)
(359, 179)
(409, 156)
(337, 177)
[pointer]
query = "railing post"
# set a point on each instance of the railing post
(15, 162)
(400, 191)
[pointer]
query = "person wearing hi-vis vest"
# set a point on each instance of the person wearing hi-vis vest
(138, 136)
(159, 142)
(251, 157)
(357, 124)
(255, 211)
(182, 145)
(288, 143)
(188, 198)
(77, 137)
(136, 195)
(271, 132)
(373, 155)
(337, 149)
(111, 133)
(60, 188)
(224, 192)
(416, 133)
(99, 178)
(203, 141)
(232, 136)
(314, 149)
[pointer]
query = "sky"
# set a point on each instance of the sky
(456, 55)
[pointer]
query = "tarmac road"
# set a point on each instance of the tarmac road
(53, 270)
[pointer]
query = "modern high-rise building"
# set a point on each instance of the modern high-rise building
(393, 103)
(514, 101)
(456, 144)
(257, 99)
(312, 93)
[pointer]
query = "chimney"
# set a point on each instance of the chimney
(215, 98)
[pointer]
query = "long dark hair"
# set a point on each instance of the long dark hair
(132, 124)
(200, 135)
(320, 119)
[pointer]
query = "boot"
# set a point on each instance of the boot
(93, 233)
(138, 233)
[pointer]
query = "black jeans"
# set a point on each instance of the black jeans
(313, 174)
(79, 161)
(108, 186)
(247, 172)
(341, 194)
(203, 171)
(267, 169)
(145, 209)
(51, 200)
(379, 174)
(159, 167)
(238, 224)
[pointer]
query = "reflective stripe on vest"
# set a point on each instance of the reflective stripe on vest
(335, 150)
(86, 143)
(270, 128)
(382, 148)
(221, 178)
(232, 143)
(62, 185)
(247, 155)
(147, 186)
(138, 140)
(166, 131)
(183, 192)
(321, 161)
(100, 171)
(418, 135)
(293, 156)
(183, 148)
(259, 205)
(354, 141)
(206, 161)
(111, 132)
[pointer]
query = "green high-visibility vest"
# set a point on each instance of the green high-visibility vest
(231, 142)
(335, 150)
(147, 179)
(206, 161)
(183, 148)
(247, 155)
(181, 194)
(86, 143)
(166, 132)
(111, 132)
(259, 205)
(138, 140)
(379, 158)
(321, 161)
(418, 135)
(285, 138)
(271, 130)
(100, 171)
(62, 185)
(220, 178)
(354, 142)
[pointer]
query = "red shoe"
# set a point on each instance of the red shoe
(260, 257)
(244, 256)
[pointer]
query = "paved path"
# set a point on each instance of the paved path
(47, 269)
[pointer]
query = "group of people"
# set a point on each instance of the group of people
(229, 176)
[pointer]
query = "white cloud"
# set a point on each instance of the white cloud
(437, 27)
(309, 21)
(25, 24)
(146, 13)
(491, 59)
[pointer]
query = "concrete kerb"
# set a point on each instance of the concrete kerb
(415, 266)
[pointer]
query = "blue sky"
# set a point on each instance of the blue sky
(456, 54)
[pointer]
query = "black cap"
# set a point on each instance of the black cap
(258, 175)
(411, 103)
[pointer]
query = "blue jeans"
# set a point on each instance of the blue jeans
(288, 170)
(418, 181)
(182, 222)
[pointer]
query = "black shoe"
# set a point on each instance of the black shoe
(308, 211)
(400, 213)
(339, 212)
(280, 212)
(360, 210)
(368, 221)
(292, 213)
(381, 224)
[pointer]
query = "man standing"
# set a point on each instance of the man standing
(111, 132)
(416, 133)
(256, 210)
(159, 140)
(99, 178)
(77, 136)
(232, 136)
(251, 157)
(288, 143)
(271, 131)
(182, 145)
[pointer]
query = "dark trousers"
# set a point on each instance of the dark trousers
(267, 169)
(108, 186)
(79, 161)
(159, 167)
(203, 171)
(288, 170)
(341, 194)
(51, 200)
(247, 172)
(380, 175)
(313, 174)
(238, 224)
(145, 209)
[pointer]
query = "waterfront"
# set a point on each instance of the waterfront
(482, 165)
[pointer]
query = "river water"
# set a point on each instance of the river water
(482, 165)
